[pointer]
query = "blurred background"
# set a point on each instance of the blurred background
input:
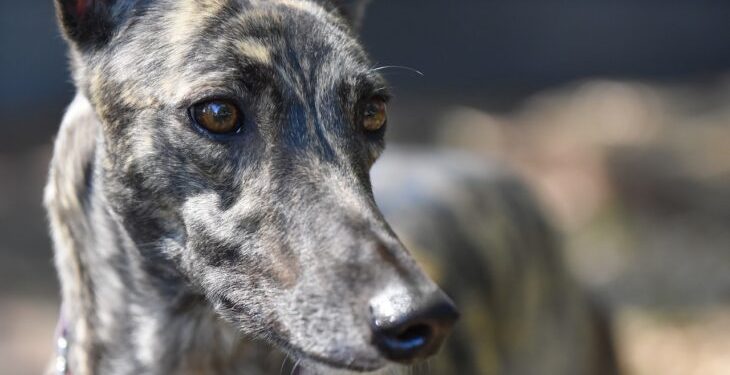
(617, 113)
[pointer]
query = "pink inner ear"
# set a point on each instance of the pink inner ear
(81, 7)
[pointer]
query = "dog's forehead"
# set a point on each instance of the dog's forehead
(264, 31)
(199, 43)
(286, 32)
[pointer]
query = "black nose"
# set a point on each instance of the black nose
(415, 332)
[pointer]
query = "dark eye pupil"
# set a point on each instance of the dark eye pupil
(372, 110)
(216, 116)
(221, 111)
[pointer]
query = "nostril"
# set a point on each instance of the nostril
(413, 334)
(403, 344)
(414, 337)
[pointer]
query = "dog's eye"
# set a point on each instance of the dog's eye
(217, 116)
(375, 115)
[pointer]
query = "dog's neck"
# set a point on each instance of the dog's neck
(120, 318)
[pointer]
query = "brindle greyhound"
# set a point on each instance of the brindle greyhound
(210, 196)
(210, 182)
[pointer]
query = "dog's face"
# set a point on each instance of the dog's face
(238, 138)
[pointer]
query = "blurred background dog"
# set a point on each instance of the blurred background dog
(481, 235)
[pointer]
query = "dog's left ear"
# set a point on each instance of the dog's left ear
(91, 23)
(353, 10)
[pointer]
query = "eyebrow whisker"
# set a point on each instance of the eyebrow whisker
(402, 67)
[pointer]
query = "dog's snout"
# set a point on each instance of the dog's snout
(410, 330)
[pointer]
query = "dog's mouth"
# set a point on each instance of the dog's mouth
(313, 367)
(308, 363)
(313, 364)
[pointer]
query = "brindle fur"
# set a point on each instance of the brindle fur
(184, 253)
(161, 229)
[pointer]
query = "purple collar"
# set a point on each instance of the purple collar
(60, 363)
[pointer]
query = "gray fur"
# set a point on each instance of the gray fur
(173, 245)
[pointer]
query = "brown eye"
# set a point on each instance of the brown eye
(375, 115)
(217, 116)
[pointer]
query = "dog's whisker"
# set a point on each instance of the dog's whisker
(296, 366)
(401, 67)
(283, 364)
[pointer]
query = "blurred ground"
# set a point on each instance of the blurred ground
(636, 175)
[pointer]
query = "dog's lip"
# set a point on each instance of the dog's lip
(351, 365)
(299, 354)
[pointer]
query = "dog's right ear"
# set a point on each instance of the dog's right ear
(89, 23)
(353, 11)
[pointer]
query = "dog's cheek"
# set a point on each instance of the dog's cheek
(233, 258)
(243, 299)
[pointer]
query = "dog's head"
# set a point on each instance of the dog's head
(237, 141)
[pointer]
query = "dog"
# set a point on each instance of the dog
(212, 212)
(210, 182)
